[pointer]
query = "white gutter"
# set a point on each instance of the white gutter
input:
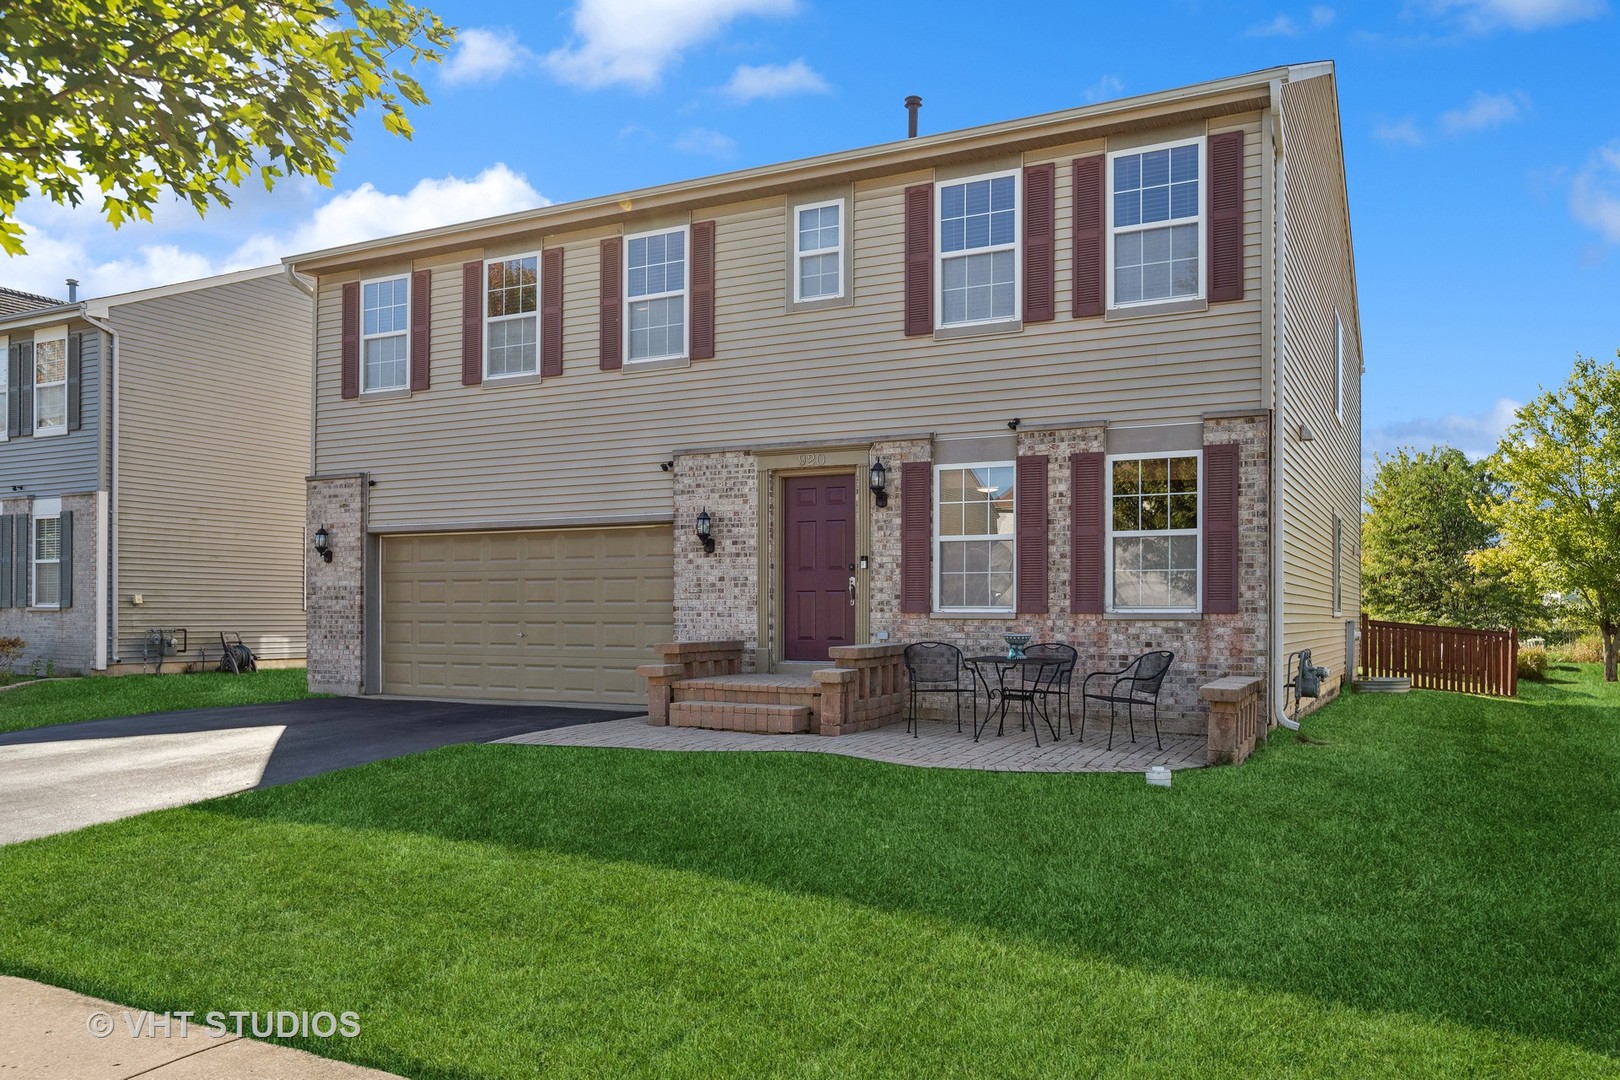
(1278, 433)
(107, 517)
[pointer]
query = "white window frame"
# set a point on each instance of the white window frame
(404, 384)
(1201, 221)
(1011, 537)
(1198, 533)
(684, 293)
(5, 385)
(539, 268)
(1338, 367)
(1338, 564)
(1016, 247)
(54, 333)
(43, 510)
(800, 254)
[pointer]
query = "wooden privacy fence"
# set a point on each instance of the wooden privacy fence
(1442, 657)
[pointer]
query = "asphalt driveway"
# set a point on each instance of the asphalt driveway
(64, 777)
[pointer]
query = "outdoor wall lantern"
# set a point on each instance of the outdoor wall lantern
(705, 531)
(323, 543)
(880, 485)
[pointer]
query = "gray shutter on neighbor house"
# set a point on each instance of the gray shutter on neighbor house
(5, 561)
(20, 552)
(74, 348)
(65, 567)
(14, 391)
(25, 388)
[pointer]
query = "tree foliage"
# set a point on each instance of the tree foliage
(1426, 552)
(124, 99)
(1560, 462)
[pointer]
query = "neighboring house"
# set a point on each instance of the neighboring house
(152, 472)
(1109, 359)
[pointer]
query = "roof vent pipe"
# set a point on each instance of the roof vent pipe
(73, 290)
(913, 103)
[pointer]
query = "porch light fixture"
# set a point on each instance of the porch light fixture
(880, 485)
(323, 543)
(705, 531)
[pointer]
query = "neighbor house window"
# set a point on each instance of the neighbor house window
(511, 319)
(5, 383)
(1338, 564)
(48, 561)
(818, 251)
(384, 333)
(50, 383)
(978, 250)
(974, 537)
(1155, 224)
(1153, 532)
(1338, 370)
(655, 266)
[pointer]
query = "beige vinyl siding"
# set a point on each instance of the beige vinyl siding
(213, 447)
(1322, 476)
(585, 446)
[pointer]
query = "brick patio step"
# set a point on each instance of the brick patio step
(750, 690)
(739, 716)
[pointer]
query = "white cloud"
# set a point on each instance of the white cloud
(1594, 194)
(1402, 132)
(774, 80)
(1322, 17)
(1481, 16)
(1284, 25)
(486, 55)
(632, 42)
(1484, 111)
(1104, 89)
(705, 142)
(1475, 435)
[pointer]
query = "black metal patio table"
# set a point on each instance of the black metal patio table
(1013, 684)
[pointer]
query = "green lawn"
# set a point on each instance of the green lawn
(1426, 889)
(59, 701)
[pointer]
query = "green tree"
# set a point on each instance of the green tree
(1422, 541)
(134, 97)
(1560, 462)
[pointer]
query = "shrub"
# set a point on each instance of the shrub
(1586, 649)
(1532, 662)
(10, 650)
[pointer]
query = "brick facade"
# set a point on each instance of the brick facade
(65, 638)
(336, 589)
(717, 594)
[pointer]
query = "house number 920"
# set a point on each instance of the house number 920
(812, 459)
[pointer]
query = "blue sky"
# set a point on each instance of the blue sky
(1482, 140)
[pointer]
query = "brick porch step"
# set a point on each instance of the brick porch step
(739, 716)
(765, 689)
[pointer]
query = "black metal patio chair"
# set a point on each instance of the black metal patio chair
(935, 667)
(1137, 683)
(1052, 682)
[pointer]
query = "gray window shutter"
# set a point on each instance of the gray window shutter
(5, 561)
(14, 391)
(75, 346)
(66, 565)
(21, 550)
(25, 387)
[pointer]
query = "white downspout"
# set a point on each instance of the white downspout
(1278, 435)
(107, 517)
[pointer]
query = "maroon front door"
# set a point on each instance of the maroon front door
(818, 559)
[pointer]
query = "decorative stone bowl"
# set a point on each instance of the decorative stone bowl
(1015, 645)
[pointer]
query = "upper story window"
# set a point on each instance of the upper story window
(978, 250)
(50, 382)
(974, 537)
(1155, 224)
(655, 270)
(48, 558)
(1338, 368)
(5, 386)
(384, 334)
(818, 251)
(1154, 540)
(511, 319)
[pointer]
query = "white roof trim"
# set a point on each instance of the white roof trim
(98, 306)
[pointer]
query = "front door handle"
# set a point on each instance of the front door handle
(852, 590)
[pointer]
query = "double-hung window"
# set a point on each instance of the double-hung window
(1156, 224)
(974, 537)
(655, 273)
(48, 559)
(511, 319)
(385, 334)
(50, 382)
(1338, 366)
(818, 251)
(978, 250)
(5, 384)
(1154, 543)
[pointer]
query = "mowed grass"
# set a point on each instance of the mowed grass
(60, 701)
(1428, 888)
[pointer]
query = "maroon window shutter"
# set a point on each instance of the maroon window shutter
(916, 537)
(1221, 529)
(919, 260)
(1040, 223)
(610, 308)
(1089, 241)
(1226, 216)
(1087, 536)
(702, 343)
(472, 323)
(351, 339)
(1029, 528)
(551, 312)
(421, 329)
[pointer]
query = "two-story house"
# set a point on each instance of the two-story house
(1093, 374)
(152, 472)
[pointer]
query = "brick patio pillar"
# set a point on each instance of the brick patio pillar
(660, 679)
(837, 686)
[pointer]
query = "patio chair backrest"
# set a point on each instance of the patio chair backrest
(1150, 669)
(1059, 672)
(933, 662)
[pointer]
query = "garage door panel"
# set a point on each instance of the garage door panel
(559, 615)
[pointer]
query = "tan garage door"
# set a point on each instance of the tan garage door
(557, 615)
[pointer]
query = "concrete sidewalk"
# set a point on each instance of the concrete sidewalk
(47, 1033)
